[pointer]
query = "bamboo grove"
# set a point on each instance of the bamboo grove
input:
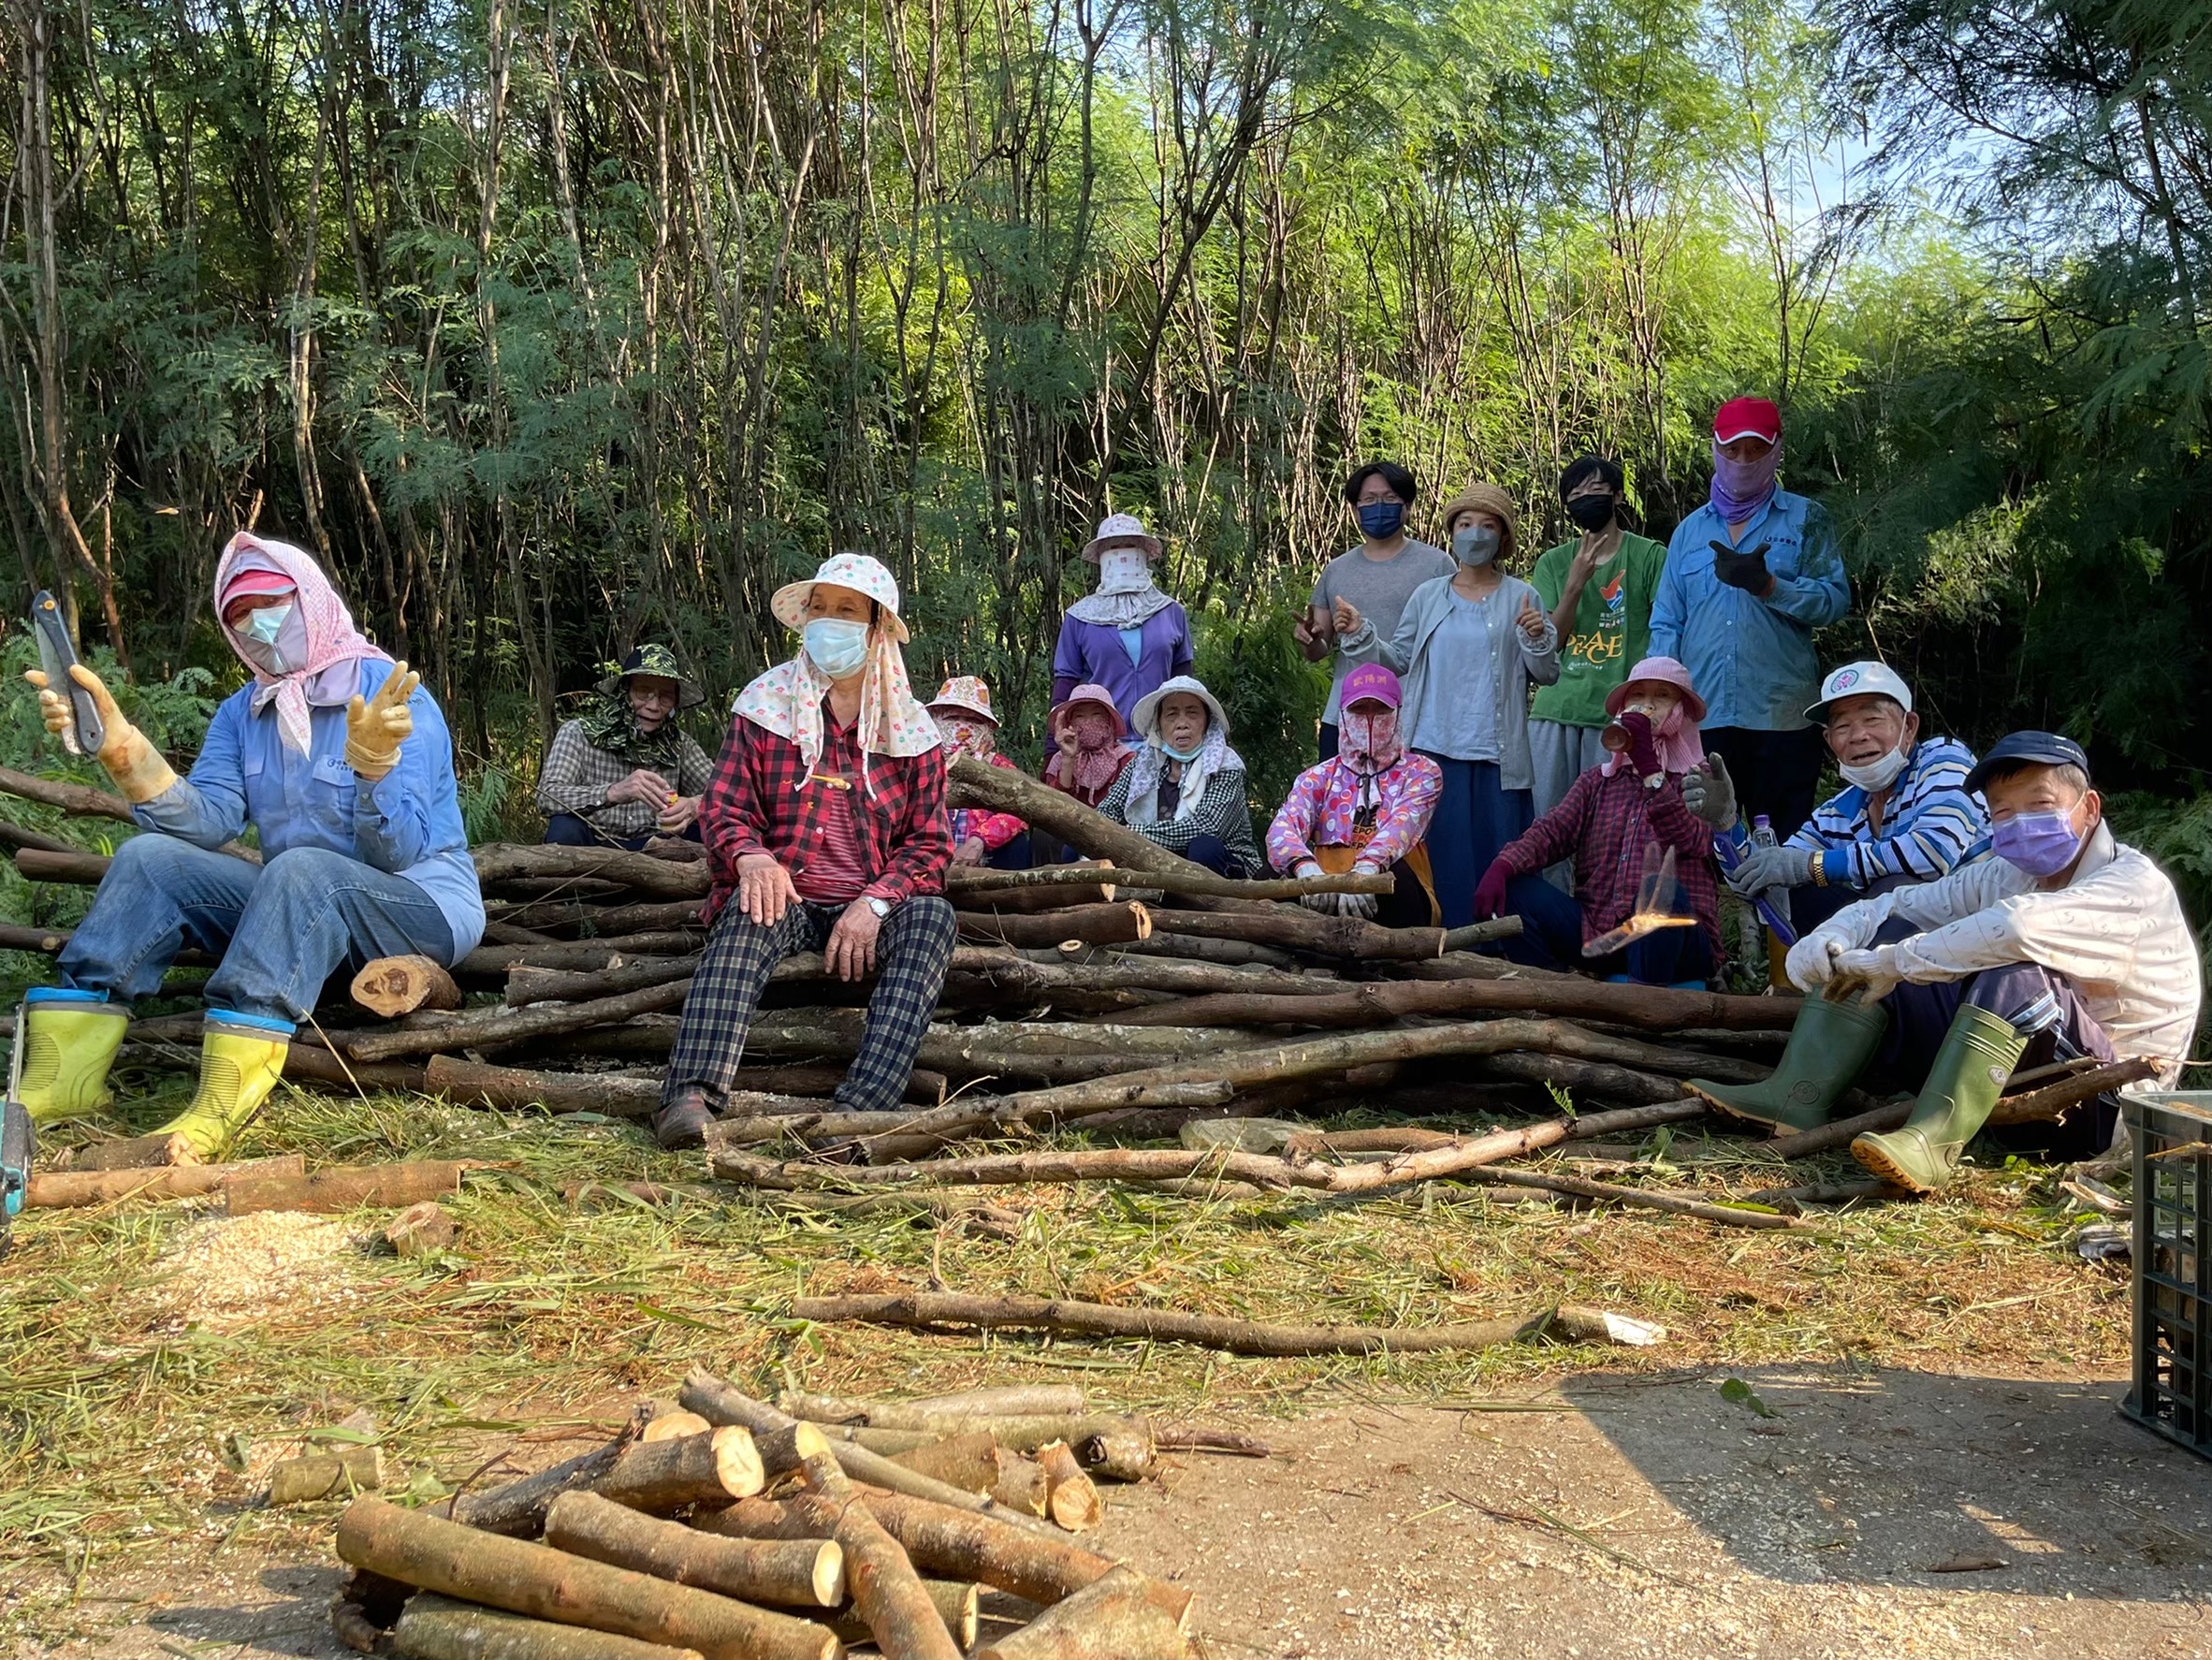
(553, 327)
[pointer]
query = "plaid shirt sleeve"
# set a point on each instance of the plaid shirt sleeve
(693, 771)
(1558, 834)
(567, 781)
(911, 789)
(734, 812)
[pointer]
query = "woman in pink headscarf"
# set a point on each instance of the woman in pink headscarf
(340, 761)
(1614, 818)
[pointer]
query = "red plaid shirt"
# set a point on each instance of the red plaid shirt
(763, 801)
(1604, 824)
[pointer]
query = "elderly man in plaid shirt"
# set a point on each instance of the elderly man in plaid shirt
(825, 826)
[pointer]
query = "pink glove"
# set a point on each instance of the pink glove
(1490, 894)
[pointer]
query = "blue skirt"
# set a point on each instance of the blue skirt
(1475, 816)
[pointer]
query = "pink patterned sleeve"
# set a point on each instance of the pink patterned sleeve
(996, 829)
(1286, 837)
(1408, 798)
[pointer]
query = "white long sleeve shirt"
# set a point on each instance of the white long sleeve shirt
(2117, 931)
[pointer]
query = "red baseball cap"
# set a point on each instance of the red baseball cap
(1747, 417)
(255, 579)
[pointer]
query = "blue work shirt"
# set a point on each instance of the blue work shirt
(1752, 659)
(407, 824)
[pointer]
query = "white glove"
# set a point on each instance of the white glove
(1812, 962)
(1324, 903)
(1872, 974)
(1359, 905)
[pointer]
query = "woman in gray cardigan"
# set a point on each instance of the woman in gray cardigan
(1467, 647)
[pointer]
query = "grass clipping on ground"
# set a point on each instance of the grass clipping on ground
(142, 1347)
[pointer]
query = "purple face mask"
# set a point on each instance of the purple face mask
(1740, 488)
(2042, 844)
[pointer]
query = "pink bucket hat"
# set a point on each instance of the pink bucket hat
(1088, 692)
(965, 691)
(859, 572)
(1664, 671)
(1370, 680)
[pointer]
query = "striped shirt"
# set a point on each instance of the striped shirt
(1928, 825)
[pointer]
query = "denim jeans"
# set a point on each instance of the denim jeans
(281, 928)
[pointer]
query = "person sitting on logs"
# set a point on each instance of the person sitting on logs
(825, 830)
(966, 726)
(2067, 944)
(342, 762)
(624, 772)
(1184, 788)
(1089, 750)
(1090, 745)
(1365, 810)
(1610, 819)
(1905, 815)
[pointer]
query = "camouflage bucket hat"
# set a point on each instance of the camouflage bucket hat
(659, 661)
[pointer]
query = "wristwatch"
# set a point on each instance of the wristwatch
(880, 907)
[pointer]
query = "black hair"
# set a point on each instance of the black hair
(1582, 467)
(1400, 481)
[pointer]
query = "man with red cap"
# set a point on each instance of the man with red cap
(1749, 576)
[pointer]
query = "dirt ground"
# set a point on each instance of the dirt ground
(1836, 1510)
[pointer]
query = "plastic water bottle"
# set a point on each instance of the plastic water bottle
(1763, 836)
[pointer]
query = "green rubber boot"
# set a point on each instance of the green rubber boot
(1962, 1087)
(69, 1042)
(238, 1065)
(1829, 1047)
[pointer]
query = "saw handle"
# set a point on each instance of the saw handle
(57, 655)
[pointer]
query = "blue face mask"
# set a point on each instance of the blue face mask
(837, 647)
(1186, 755)
(259, 638)
(1381, 519)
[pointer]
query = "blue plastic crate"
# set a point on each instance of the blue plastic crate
(2173, 1166)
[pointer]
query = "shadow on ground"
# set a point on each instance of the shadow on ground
(1892, 1477)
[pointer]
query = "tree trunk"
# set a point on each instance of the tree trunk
(1087, 925)
(346, 1188)
(393, 986)
(434, 1628)
(1070, 1496)
(419, 1549)
(1655, 1008)
(499, 862)
(718, 1467)
(1121, 1616)
(520, 1507)
(796, 1573)
(492, 1030)
(73, 1189)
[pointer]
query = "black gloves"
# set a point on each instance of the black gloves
(1747, 571)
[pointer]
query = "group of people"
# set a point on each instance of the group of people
(1589, 748)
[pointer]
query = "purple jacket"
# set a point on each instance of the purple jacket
(1093, 652)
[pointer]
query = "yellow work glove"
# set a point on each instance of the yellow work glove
(135, 764)
(374, 729)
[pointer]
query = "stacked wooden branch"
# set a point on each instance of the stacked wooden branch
(1134, 996)
(719, 1525)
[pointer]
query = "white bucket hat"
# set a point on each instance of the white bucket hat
(1145, 717)
(1860, 679)
(1121, 530)
(860, 572)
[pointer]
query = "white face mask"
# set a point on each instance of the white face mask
(1875, 775)
(1124, 570)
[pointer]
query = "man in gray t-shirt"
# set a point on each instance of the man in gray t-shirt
(1378, 576)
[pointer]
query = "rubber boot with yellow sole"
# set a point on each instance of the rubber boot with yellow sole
(1829, 1046)
(69, 1042)
(1968, 1074)
(240, 1058)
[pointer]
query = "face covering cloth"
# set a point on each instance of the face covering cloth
(1740, 488)
(1125, 597)
(318, 646)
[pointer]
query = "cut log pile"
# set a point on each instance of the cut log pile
(1140, 996)
(719, 1525)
